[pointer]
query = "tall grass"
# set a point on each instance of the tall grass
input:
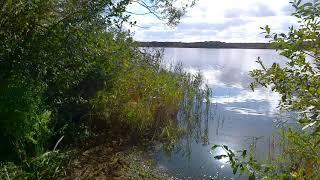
(50, 165)
(147, 98)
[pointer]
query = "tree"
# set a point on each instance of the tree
(54, 56)
(166, 10)
(298, 82)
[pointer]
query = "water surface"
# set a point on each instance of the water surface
(238, 117)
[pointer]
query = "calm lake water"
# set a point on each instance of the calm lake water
(238, 116)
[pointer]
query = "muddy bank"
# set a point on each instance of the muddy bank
(108, 161)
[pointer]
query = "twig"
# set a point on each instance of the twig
(57, 143)
(138, 14)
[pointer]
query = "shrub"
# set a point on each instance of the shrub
(139, 97)
(146, 98)
(23, 120)
(50, 165)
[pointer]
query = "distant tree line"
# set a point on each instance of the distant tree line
(207, 44)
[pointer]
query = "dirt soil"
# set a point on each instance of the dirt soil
(108, 161)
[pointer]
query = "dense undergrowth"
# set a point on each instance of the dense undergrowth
(68, 72)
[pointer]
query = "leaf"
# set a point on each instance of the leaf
(242, 169)
(267, 28)
(235, 169)
(220, 157)
(308, 4)
(312, 89)
(252, 86)
(225, 147)
(244, 153)
(309, 125)
(298, 3)
(317, 143)
(214, 146)
(252, 177)
(284, 176)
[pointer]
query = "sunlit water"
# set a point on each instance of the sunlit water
(238, 117)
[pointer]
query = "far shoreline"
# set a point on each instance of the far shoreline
(205, 44)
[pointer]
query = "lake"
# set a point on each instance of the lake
(238, 117)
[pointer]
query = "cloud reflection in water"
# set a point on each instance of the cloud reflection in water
(237, 113)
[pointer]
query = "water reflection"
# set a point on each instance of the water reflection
(237, 117)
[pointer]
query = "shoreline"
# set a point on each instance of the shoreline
(206, 45)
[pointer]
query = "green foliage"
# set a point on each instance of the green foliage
(23, 119)
(300, 154)
(146, 98)
(46, 49)
(50, 165)
(298, 84)
(298, 158)
(58, 59)
(68, 69)
(241, 161)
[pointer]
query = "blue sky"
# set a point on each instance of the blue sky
(218, 20)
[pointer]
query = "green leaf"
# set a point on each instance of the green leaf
(214, 146)
(235, 169)
(267, 28)
(225, 147)
(284, 176)
(308, 4)
(244, 153)
(312, 89)
(242, 169)
(220, 157)
(298, 3)
(252, 176)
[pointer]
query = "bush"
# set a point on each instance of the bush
(48, 51)
(146, 98)
(140, 95)
(23, 120)
(50, 165)
(300, 156)
(55, 56)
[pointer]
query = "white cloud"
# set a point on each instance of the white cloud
(218, 20)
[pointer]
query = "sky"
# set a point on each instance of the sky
(218, 20)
